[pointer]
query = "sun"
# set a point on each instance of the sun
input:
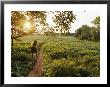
(27, 25)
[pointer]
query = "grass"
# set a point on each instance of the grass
(64, 56)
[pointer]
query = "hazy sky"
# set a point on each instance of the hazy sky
(82, 18)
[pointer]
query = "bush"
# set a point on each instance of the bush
(58, 55)
(72, 72)
(21, 65)
(88, 33)
(68, 68)
(95, 34)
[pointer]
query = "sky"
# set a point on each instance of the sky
(82, 17)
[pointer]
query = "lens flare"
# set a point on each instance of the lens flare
(27, 25)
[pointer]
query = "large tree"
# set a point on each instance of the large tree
(84, 32)
(88, 33)
(63, 19)
(24, 23)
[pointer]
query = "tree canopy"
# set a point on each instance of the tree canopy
(24, 23)
(96, 22)
(63, 19)
(19, 18)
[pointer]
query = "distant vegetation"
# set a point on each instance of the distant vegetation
(89, 33)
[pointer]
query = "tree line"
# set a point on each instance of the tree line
(89, 33)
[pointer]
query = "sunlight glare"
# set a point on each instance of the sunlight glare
(27, 26)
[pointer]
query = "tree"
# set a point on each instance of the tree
(84, 32)
(88, 33)
(96, 31)
(21, 20)
(96, 22)
(78, 32)
(95, 34)
(63, 19)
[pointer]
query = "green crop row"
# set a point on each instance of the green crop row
(63, 56)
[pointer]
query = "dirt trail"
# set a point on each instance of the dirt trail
(37, 68)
